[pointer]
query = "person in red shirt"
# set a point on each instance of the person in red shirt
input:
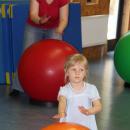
(48, 14)
(47, 20)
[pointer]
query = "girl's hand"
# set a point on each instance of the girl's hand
(85, 111)
(58, 116)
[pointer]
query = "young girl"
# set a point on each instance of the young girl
(79, 101)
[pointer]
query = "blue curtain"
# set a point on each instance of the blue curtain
(12, 23)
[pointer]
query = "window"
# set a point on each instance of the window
(91, 2)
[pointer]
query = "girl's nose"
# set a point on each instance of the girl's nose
(77, 71)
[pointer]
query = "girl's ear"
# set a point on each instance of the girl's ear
(66, 76)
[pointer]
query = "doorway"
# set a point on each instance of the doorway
(113, 24)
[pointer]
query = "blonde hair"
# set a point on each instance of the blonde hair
(72, 60)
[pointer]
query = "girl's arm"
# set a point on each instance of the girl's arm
(63, 19)
(97, 107)
(61, 107)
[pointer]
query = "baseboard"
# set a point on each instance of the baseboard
(95, 52)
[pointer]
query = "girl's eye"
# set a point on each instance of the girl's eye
(82, 69)
(73, 69)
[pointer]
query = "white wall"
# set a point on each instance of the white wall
(94, 30)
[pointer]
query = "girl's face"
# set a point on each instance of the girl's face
(76, 73)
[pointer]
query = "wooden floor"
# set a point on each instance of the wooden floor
(18, 114)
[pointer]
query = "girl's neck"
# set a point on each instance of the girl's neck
(77, 86)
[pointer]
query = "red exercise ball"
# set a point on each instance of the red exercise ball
(41, 69)
(65, 126)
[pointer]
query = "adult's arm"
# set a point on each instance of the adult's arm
(34, 11)
(63, 18)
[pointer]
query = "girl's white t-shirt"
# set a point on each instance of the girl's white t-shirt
(84, 98)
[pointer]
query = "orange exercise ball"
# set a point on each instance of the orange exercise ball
(41, 68)
(65, 126)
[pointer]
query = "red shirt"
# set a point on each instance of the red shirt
(51, 10)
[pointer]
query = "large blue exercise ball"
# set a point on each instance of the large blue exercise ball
(41, 68)
(122, 57)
